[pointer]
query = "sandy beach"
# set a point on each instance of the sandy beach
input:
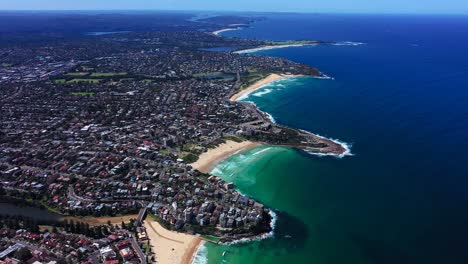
(270, 47)
(271, 78)
(171, 247)
(209, 159)
(217, 32)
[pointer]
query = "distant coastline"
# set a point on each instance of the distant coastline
(208, 160)
(333, 147)
(217, 32)
(270, 47)
(292, 44)
(260, 84)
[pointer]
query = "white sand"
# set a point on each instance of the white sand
(171, 247)
(271, 78)
(209, 159)
(270, 47)
(217, 32)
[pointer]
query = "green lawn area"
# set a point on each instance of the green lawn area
(224, 80)
(77, 74)
(234, 138)
(50, 209)
(212, 239)
(146, 248)
(126, 79)
(7, 65)
(77, 80)
(60, 81)
(82, 93)
(188, 147)
(107, 74)
(252, 78)
(189, 157)
(86, 68)
(206, 74)
(164, 152)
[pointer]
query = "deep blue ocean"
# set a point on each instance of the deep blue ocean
(401, 101)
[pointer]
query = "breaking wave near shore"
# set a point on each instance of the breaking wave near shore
(201, 256)
(274, 219)
(345, 145)
(348, 43)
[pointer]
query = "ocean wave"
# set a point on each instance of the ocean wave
(216, 171)
(247, 94)
(262, 92)
(201, 255)
(348, 43)
(346, 146)
(324, 77)
(218, 32)
(271, 47)
(274, 219)
(261, 151)
(268, 115)
(281, 83)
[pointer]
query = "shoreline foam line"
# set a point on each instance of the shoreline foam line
(346, 147)
(270, 47)
(209, 159)
(268, 115)
(217, 32)
(200, 246)
(270, 79)
(348, 43)
(274, 219)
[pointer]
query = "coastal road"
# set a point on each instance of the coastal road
(136, 247)
(141, 215)
(72, 195)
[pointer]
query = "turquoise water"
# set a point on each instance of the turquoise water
(400, 101)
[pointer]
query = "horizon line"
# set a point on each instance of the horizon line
(233, 11)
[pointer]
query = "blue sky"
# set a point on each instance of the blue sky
(347, 6)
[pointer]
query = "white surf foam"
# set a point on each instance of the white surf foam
(274, 219)
(268, 115)
(272, 119)
(262, 92)
(348, 43)
(345, 145)
(324, 77)
(247, 94)
(261, 151)
(218, 32)
(274, 84)
(253, 50)
(201, 255)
